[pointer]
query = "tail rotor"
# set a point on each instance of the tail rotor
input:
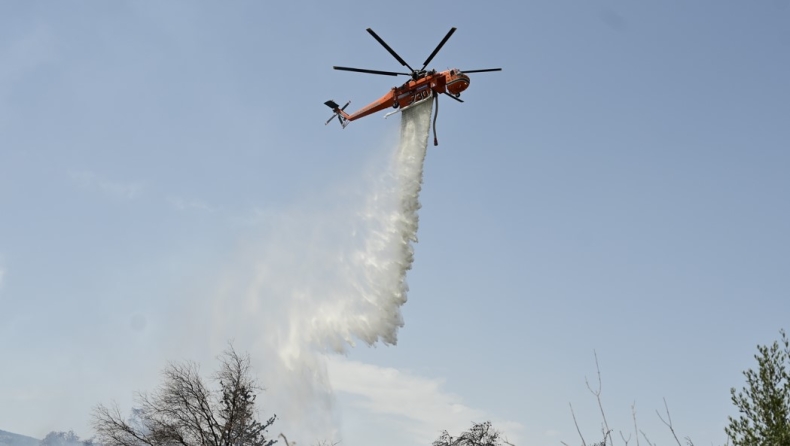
(338, 113)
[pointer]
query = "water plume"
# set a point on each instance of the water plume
(322, 281)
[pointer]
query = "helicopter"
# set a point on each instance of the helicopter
(423, 85)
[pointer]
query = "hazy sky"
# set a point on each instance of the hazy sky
(620, 187)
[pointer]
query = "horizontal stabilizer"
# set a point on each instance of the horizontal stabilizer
(331, 104)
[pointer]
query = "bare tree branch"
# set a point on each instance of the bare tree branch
(625, 440)
(669, 422)
(184, 411)
(597, 394)
(647, 439)
(577, 425)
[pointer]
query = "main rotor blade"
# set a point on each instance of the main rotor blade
(438, 47)
(362, 70)
(481, 71)
(387, 47)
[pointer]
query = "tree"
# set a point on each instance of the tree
(65, 439)
(764, 404)
(184, 411)
(481, 434)
(607, 439)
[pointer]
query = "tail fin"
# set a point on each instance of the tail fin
(341, 115)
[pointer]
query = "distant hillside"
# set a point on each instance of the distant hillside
(9, 439)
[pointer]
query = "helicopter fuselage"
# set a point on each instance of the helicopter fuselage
(415, 90)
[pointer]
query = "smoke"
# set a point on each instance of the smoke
(322, 280)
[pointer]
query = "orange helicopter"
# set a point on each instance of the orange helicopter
(423, 85)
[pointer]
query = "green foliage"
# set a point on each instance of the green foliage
(481, 434)
(764, 404)
(65, 439)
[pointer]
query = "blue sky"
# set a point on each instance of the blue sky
(620, 187)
